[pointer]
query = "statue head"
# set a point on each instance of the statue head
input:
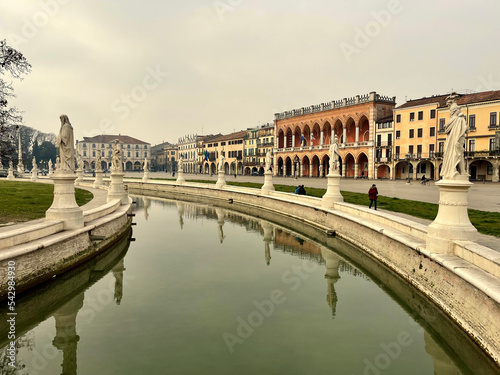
(64, 119)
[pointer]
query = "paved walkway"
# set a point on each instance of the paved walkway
(484, 197)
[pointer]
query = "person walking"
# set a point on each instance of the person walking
(372, 194)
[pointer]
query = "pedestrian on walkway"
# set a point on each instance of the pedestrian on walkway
(372, 194)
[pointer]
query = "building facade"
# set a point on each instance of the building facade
(134, 151)
(303, 136)
(259, 140)
(231, 146)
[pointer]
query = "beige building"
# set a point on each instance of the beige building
(229, 145)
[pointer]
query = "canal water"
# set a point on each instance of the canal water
(208, 290)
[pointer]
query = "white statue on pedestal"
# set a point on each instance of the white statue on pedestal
(50, 165)
(10, 165)
(181, 163)
(65, 142)
(79, 161)
(116, 158)
(456, 128)
(268, 160)
(98, 162)
(221, 163)
(146, 168)
(334, 155)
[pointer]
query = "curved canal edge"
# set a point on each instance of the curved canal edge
(465, 285)
(41, 249)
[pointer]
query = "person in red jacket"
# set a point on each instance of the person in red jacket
(372, 194)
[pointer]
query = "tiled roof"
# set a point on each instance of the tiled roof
(237, 135)
(479, 97)
(108, 138)
(441, 99)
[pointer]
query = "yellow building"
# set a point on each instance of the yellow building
(415, 137)
(419, 136)
(259, 140)
(229, 145)
(482, 143)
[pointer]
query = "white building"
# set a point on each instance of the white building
(134, 151)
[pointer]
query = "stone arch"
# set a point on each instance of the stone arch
(325, 165)
(289, 133)
(298, 134)
(338, 129)
(315, 135)
(240, 167)
(349, 168)
(306, 166)
(351, 130)
(306, 132)
(280, 166)
(425, 168)
(478, 170)
(247, 171)
(281, 138)
(137, 166)
(261, 170)
(384, 171)
(85, 165)
(207, 168)
(362, 161)
(288, 166)
(226, 167)
(213, 168)
(327, 133)
(364, 129)
(315, 166)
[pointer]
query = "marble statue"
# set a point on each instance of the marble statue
(181, 163)
(79, 161)
(58, 163)
(10, 165)
(268, 160)
(50, 165)
(116, 158)
(221, 163)
(33, 162)
(146, 168)
(456, 128)
(334, 155)
(98, 163)
(65, 141)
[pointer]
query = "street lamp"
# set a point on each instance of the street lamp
(408, 157)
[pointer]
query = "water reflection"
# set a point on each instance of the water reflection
(332, 276)
(61, 298)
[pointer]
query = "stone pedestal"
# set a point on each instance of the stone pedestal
(79, 176)
(98, 180)
(51, 173)
(180, 177)
(116, 190)
(34, 174)
(64, 206)
(10, 175)
(332, 194)
(452, 221)
(221, 181)
(145, 178)
(268, 183)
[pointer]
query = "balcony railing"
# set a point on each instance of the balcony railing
(384, 144)
(386, 159)
(482, 154)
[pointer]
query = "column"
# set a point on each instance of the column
(321, 138)
(344, 135)
(293, 140)
(344, 168)
(357, 134)
(356, 166)
(301, 170)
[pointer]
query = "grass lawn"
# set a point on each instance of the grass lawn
(485, 222)
(23, 201)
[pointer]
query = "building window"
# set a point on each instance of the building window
(128, 153)
(419, 151)
(472, 122)
(84, 153)
(145, 154)
(410, 149)
(431, 150)
(489, 170)
(420, 115)
(397, 152)
(398, 134)
(93, 145)
(493, 144)
(472, 145)
(412, 116)
(493, 119)
(442, 121)
(398, 118)
(93, 153)
(432, 131)
(420, 132)
(136, 147)
(84, 145)
(103, 146)
(128, 146)
(145, 147)
(441, 147)
(433, 113)
(411, 133)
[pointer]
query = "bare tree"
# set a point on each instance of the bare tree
(15, 64)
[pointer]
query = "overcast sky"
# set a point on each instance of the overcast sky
(157, 70)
